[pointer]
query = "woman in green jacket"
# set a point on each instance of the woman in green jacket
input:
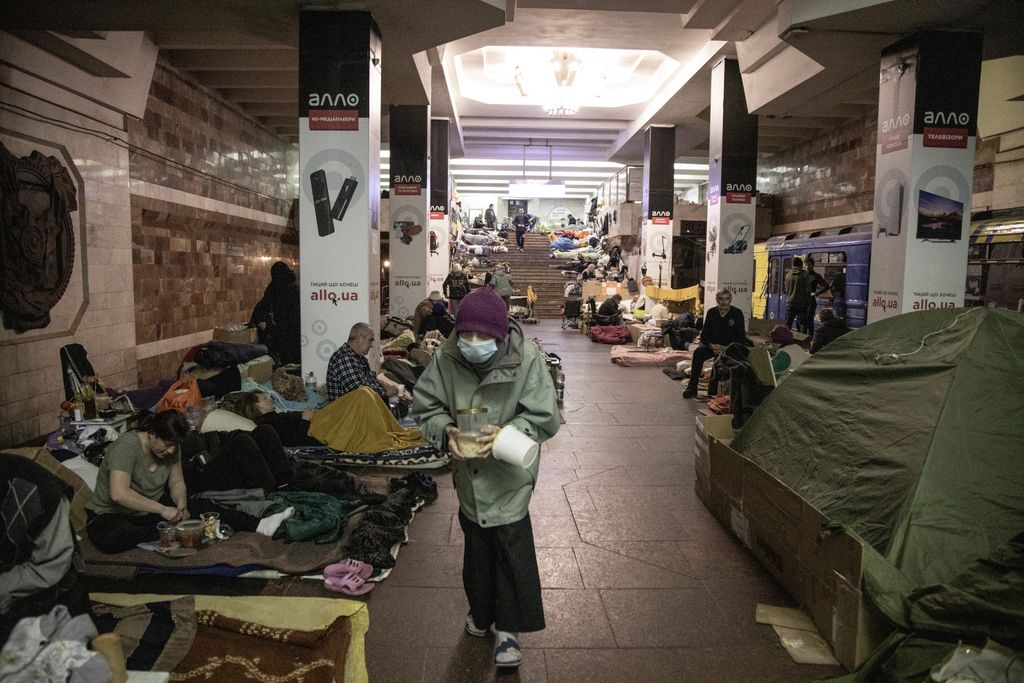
(488, 363)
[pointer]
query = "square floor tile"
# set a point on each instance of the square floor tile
(603, 568)
(615, 666)
(668, 617)
(574, 618)
(426, 565)
(558, 568)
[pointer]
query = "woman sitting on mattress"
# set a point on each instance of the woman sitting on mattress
(139, 485)
(143, 481)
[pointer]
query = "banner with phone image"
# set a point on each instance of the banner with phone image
(339, 182)
(924, 167)
(409, 240)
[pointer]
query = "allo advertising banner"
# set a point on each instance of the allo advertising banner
(732, 190)
(656, 246)
(440, 200)
(339, 180)
(657, 201)
(410, 238)
(924, 168)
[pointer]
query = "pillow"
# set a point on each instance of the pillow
(221, 420)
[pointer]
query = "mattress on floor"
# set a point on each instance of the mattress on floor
(630, 356)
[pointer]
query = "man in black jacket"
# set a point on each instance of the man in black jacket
(723, 325)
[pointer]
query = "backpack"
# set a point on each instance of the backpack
(458, 287)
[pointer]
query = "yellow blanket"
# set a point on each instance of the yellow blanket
(360, 422)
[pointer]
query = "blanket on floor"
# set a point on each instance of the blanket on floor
(630, 356)
(360, 422)
(415, 457)
(263, 638)
(244, 549)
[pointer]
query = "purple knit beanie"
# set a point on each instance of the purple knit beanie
(781, 335)
(483, 311)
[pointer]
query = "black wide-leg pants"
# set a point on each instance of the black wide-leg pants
(500, 576)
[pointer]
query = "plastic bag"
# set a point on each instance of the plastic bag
(181, 395)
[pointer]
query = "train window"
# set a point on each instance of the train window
(976, 252)
(1006, 250)
(773, 276)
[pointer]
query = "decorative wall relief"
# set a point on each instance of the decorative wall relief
(37, 240)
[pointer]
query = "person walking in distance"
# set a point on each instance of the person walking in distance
(521, 222)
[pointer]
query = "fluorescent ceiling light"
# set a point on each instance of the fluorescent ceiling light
(528, 188)
(518, 163)
(460, 172)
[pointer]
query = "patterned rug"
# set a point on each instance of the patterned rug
(251, 638)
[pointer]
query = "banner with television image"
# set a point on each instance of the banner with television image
(924, 167)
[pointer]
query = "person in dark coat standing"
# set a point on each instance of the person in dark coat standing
(816, 285)
(276, 316)
(797, 294)
(723, 325)
(490, 217)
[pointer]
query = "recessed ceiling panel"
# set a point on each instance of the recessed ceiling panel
(592, 77)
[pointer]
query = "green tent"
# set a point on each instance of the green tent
(909, 433)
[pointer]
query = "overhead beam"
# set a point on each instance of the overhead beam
(214, 40)
(235, 60)
(283, 78)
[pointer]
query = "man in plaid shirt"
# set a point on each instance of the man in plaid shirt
(348, 368)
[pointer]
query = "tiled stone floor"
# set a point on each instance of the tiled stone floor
(640, 582)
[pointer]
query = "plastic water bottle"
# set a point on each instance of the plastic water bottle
(560, 386)
(311, 385)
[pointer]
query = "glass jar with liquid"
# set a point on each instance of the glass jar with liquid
(470, 422)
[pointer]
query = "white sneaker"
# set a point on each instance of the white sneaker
(471, 628)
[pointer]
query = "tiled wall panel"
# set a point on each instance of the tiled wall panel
(210, 202)
(833, 173)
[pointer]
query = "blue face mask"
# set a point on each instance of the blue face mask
(478, 352)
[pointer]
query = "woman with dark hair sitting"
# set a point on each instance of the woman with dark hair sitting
(139, 485)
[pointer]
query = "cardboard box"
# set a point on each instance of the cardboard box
(259, 369)
(243, 336)
(820, 566)
(708, 427)
(602, 290)
(760, 327)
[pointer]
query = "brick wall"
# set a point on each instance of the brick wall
(833, 174)
(211, 195)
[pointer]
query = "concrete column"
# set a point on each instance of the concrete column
(410, 232)
(658, 198)
(924, 171)
(440, 204)
(732, 189)
(339, 178)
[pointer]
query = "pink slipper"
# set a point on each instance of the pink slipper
(349, 566)
(349, 584)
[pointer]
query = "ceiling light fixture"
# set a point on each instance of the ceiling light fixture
(564, 100)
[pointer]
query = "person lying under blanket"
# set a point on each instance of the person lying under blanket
(357, 422)
(292, 427)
